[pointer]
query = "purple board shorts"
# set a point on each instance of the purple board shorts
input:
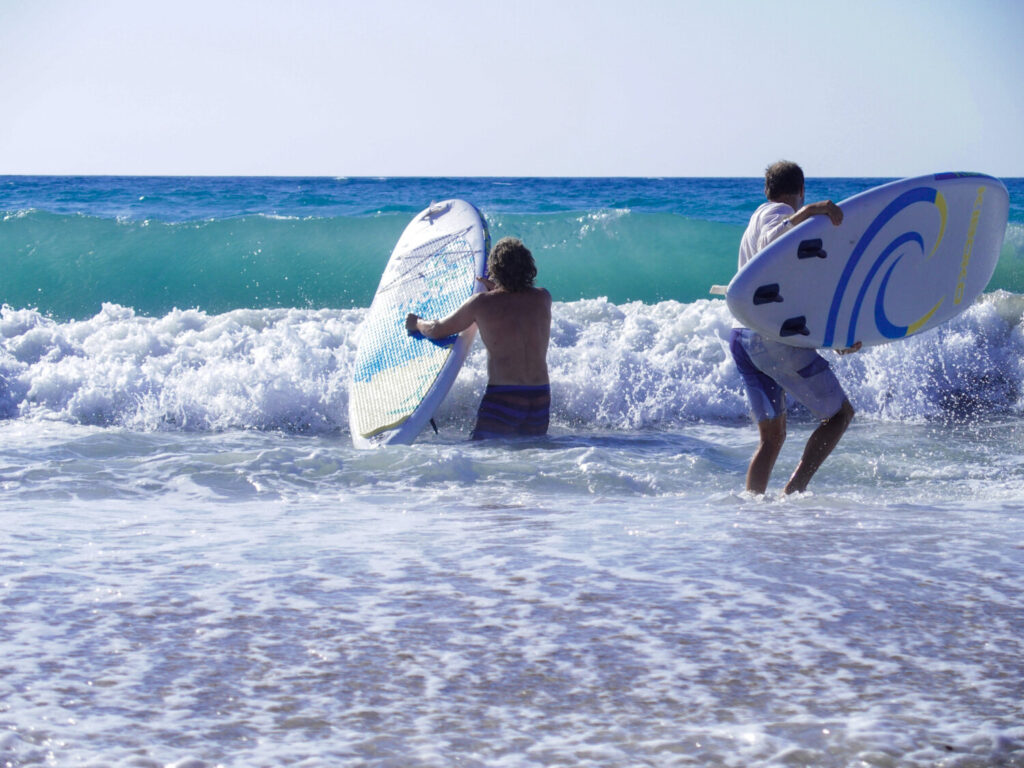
(770, 369)
(512, 410)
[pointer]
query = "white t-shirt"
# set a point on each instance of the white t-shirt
(768, 222)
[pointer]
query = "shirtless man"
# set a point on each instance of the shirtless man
(514, 320)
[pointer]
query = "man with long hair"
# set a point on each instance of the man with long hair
(514, 320)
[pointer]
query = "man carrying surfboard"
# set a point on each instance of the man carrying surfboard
(770, 369)
(514, 320)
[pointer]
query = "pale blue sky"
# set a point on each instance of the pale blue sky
(515, 88)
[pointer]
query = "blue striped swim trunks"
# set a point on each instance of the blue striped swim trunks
(513, 410)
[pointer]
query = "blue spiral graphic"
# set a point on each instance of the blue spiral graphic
(908, 198)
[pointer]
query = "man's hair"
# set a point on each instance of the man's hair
(783, 178)
(511, 265)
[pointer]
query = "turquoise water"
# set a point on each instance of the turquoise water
(222, 244)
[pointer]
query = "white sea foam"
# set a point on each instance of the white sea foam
(613, 367)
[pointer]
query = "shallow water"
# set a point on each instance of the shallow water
(258, 598)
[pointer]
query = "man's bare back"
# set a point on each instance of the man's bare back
(515, 326)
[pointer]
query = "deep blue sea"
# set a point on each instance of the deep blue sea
(197, 568)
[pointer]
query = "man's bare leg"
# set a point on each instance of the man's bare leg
(773, 435)
(819, 446)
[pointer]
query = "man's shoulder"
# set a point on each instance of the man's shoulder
(766, 218)
(498, 305)
(529, 294)
(765, 214)
(541, 298)
(772, 209)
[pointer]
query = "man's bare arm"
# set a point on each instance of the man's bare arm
(821, 208)
(456, 322)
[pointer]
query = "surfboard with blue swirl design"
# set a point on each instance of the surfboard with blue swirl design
(398, 380)
(908, 256)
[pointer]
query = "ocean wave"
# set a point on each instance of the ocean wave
(631, 366)
(67, 266)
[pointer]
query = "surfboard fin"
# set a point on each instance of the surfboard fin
(434, 425)
(810, 249)
(766, 294)
(794, 326)
(436, 209)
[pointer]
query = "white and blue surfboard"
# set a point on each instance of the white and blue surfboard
(908, 256)
(398, 381)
